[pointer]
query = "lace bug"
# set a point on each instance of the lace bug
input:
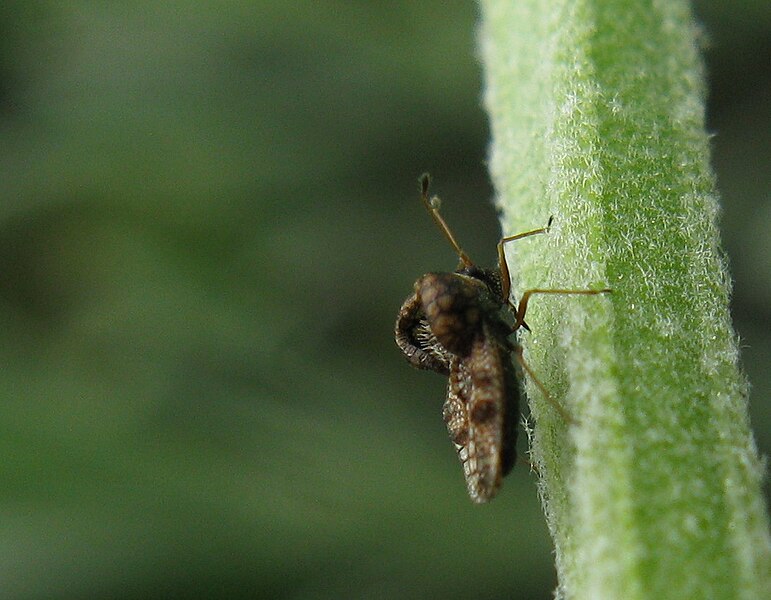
(456, 324)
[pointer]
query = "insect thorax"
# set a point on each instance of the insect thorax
(490, 277)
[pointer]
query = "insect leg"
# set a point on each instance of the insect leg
(522, 308)
(503, 265)
(557, 406)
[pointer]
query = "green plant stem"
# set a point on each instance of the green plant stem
(597, 113)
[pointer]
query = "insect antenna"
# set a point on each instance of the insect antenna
(432, 206)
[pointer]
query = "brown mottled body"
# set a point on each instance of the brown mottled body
(452, 324)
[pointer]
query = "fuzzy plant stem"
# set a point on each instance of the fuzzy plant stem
(597, 118)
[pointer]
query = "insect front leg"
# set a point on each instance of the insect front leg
(503, 266)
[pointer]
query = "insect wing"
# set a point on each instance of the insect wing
(479, 413)
(416, 340)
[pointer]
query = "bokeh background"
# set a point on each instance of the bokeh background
(208, 220)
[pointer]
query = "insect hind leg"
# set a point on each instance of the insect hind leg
(556, 405)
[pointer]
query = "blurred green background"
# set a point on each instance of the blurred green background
(208, 222)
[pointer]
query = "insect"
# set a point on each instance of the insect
(459, 324)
